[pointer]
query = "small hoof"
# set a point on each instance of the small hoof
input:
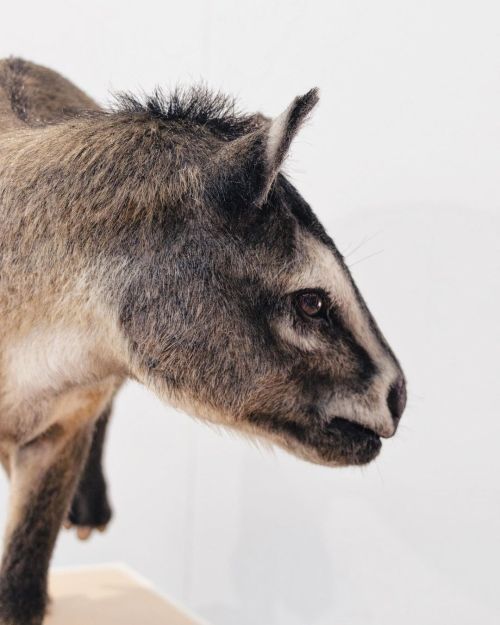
(83, 533)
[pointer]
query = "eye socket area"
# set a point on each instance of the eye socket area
(312, 303)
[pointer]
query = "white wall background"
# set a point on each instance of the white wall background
(402, 163)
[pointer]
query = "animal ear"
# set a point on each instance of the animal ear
(252, 162)
(284, 128)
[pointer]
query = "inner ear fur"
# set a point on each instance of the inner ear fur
(284, 128)
(248, 166)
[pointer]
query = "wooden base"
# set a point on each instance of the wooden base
(110, 595)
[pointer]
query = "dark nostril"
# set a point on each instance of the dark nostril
(396, 399)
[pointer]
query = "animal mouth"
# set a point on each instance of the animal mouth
(345, 425)
(338, 442)
(352, 443)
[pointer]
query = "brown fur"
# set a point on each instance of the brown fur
(158, 241)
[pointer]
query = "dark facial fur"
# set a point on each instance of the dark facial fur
(221, 267)
(227, 278)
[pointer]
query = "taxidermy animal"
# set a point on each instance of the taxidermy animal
(159, 241)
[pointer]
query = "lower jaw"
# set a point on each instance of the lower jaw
(351, 443)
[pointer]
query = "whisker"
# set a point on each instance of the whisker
(365, 240)
(366, 258)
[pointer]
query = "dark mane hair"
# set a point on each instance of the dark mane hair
(199, 105)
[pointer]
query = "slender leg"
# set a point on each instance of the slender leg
(44, 474)
(90, 507)
(4, 460)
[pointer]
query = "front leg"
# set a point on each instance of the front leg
(44, 473)
(90, 508)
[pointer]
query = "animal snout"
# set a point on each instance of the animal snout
(396, 399)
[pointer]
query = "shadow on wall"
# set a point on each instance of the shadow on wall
(290, 567)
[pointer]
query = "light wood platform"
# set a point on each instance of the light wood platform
(110, 595)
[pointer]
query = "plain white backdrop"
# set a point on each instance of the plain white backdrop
(401, 161)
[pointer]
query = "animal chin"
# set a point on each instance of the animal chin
(351, 442)
(339, 442)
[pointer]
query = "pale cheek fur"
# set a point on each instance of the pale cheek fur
(307, 343)
(322, 270)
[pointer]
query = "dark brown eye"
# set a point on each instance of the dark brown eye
(311, 304)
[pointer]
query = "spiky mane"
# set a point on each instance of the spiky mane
(214, 110)
(198, 104)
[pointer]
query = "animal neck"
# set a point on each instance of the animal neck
(106, 169)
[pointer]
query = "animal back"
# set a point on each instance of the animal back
(35, 95)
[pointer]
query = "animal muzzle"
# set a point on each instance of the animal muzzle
(378, 409)
(396, 400)
(393, 410)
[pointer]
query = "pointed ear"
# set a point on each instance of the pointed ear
(249, 165)
(284, 128)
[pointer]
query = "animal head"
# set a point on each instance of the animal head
(241, 310)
